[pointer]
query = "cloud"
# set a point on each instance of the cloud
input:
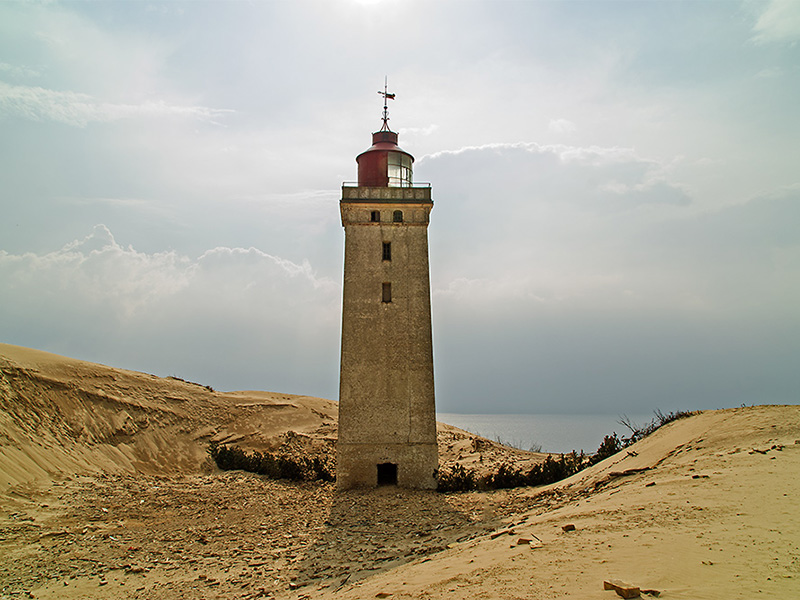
(564, 153)
(77, 109)
(175, 312)
(561, 126)
(19, 71)
(585, 228)
(543, 310)
(779, 22)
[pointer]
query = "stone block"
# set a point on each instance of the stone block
(624, 590)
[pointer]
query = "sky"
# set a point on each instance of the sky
(616, 188)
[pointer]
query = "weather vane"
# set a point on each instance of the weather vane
(386, 97)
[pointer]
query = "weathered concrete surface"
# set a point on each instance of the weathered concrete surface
(386, 397)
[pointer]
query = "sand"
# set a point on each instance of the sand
(106, 491)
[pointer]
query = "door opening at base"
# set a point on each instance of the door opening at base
(387, 474)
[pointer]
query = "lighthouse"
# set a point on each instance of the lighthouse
(387, 414)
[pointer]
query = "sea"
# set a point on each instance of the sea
(545, 433)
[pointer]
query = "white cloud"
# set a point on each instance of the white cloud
(173, 307)
(96, 269)
(561, 126)
(779, 22)
(583, 228)
(565, 153)
(19, 71)
(77, 109)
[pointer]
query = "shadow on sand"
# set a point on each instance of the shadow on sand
(369, 531)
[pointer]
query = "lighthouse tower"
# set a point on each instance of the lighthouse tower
(387, 416)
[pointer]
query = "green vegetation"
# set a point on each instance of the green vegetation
(274, 466)
(207, 387)
(456, 479)
(460, 479)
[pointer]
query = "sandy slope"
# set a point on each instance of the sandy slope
(707, 507)
(106, 492)
(60, 415)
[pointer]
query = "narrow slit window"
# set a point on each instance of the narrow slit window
(387, 250)
(397, 216)
(387, 292)
(375, 216)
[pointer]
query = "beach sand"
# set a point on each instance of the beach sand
(106, 491)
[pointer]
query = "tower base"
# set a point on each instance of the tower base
(370, 465)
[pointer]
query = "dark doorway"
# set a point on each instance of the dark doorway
(387, 474)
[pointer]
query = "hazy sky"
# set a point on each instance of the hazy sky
(617, 191)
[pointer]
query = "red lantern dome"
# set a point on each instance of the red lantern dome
(385, 164)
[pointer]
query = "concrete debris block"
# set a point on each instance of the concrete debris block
(521, 541)
(624, 590)
(568, 527)
(135, 569)
(499, 532)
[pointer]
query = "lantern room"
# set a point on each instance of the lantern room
(385, 164)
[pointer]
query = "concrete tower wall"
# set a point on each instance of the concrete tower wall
(387, 411)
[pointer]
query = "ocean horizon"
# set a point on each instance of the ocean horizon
(551, 432)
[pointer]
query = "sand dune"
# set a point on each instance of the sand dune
(106, 491)
(64, 416)
(706, 507)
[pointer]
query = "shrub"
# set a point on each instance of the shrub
(281, 466)
(457, 479)
(639, 433)
(610, 446)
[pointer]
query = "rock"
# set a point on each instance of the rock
(625, 590)
(568, 527)
(499, 532)
(54, 533)
(524, 540)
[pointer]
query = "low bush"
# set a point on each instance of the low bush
(274, 466)
(460, 479)
(610, 446)
(661, 419)
(457, 479)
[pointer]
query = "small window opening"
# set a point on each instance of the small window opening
(387, 292)
(375, 216)
(387, 250)
(387, 474)
(397, 216)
